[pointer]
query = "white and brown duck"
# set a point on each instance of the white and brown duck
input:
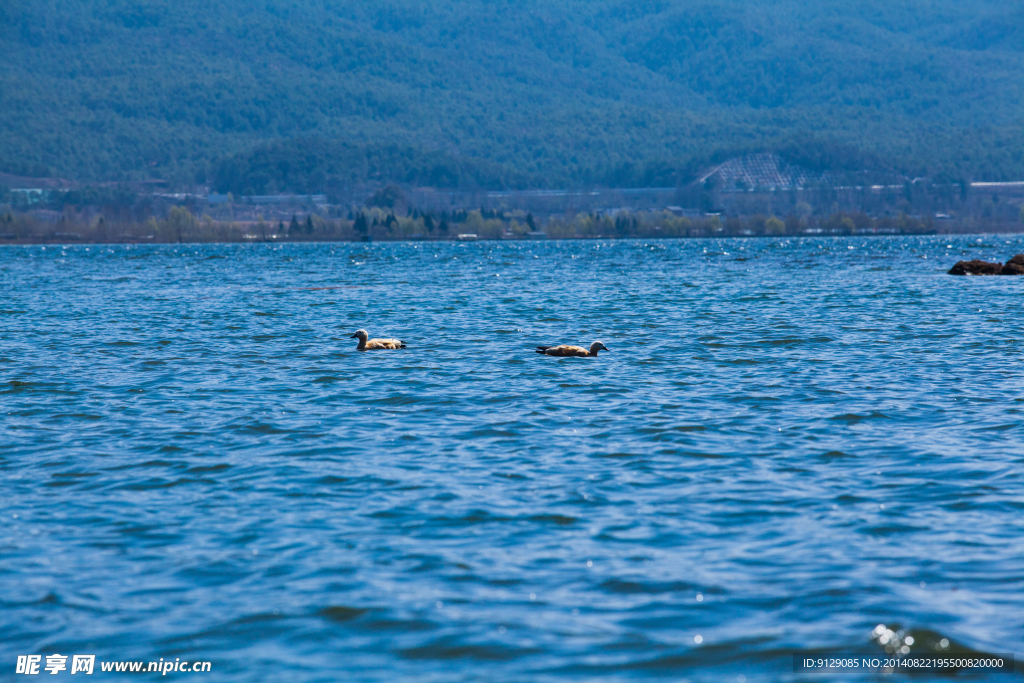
(568, 350)
(367, 344)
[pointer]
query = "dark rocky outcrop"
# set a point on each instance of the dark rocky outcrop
(976, 267)
(1014, 266)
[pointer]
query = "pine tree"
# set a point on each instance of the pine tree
(293, 227)
(360, 225)
(309, 224)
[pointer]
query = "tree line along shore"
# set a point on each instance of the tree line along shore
(381, 225)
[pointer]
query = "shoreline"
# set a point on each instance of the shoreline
(393, 224)
(576, 238)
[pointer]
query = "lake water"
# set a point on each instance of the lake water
(791, 442)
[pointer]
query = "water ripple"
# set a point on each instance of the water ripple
(792, 444)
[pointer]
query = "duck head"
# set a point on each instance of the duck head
(362, 336)
(597, 346)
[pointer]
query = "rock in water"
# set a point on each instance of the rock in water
(1014, 266)
(976, 267)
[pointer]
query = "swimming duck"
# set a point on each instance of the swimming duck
(567, 350)
(366, 344)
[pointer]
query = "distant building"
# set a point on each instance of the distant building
(762, 172)
(681, 211)
(29, 196)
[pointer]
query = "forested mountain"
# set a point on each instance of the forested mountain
(278, 95)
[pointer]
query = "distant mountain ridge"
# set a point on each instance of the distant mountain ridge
(478, 93)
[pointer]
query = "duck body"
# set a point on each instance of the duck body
(379, 344)
(367, 344)
(568, 350)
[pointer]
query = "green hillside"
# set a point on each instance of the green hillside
(292, 94)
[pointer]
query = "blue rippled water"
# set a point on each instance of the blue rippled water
(790, 442)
